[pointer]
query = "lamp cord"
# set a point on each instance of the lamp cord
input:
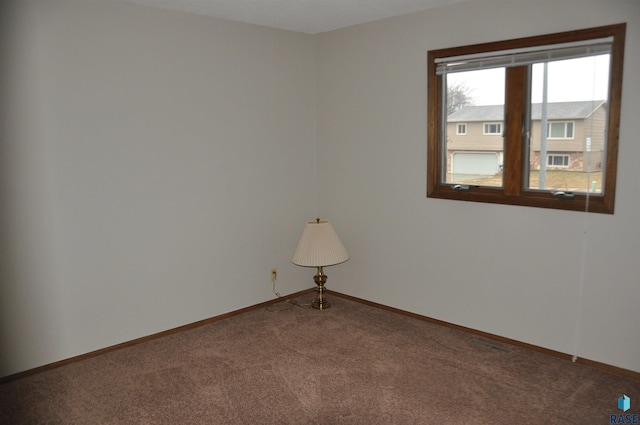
(287, 304)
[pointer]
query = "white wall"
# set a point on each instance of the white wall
(506, 270)
(154, 166)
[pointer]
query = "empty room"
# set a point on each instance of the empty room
(165, 166)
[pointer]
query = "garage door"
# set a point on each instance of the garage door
(475, 163)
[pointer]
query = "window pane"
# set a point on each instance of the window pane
(493, 128)
(558, 160)
(475, 98)
(588, 149)
(576, 93)
(557, 130)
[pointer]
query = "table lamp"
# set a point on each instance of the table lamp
(319, 247)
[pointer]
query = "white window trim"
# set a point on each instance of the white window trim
(549, 123)
(484, 128)
(458, 132)
(549, 156)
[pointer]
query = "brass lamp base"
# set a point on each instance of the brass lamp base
(320, 303)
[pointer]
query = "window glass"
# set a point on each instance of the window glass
(493, 128)
(540, 117)
(475, 110)
(557, 130)
(569, 130)
(575, 90)
(558, 160)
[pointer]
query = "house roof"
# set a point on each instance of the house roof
(556, 110)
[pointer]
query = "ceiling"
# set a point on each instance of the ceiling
(307, 16)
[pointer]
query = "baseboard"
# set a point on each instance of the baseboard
(603, 366)
(137, 341)
(565, 356)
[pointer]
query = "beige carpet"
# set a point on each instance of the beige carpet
(351, 364)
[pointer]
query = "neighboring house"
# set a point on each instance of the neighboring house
(575, 137)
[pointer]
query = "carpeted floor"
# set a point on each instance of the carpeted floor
(351, 364)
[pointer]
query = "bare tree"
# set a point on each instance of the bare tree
(458, 96)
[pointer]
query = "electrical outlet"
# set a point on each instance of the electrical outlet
(274, 275)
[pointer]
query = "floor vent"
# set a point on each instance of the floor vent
(491, 345)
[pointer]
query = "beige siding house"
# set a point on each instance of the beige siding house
(575, 137)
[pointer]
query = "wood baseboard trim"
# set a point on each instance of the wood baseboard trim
(137, 341)
(558, 354)
(598, 365)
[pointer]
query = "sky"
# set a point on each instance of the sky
(568, 80)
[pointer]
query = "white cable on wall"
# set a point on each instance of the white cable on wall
(584, 239)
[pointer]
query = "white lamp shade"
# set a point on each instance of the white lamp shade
(319, 246)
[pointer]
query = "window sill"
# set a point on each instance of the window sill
(580, 202)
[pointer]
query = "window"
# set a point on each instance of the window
(558, 160)
(568, 84)
(560, 130)
(492, 128)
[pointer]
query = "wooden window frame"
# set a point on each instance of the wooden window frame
(513, 190)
